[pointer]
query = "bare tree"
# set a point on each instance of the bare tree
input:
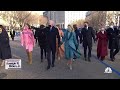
(32, 19)
(15, 17)
(43, 20)
(98, 18)
(109, 17)
(79, 22)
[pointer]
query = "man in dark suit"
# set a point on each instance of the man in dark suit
(12, 34)
(78, 35)
(77, 32)
(35, 31)
(112, 33)
(87, 33)
(41, 34)
(52, 33)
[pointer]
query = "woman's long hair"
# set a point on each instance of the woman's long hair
(70, 29)
(29, 27)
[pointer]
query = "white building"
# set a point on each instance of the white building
(64, 17)
(71, 16)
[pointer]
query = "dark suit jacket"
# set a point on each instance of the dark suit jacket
(12, 34)
(78, 34)
(36, 31)
(42, 37)
(51, 37)
(86, 36)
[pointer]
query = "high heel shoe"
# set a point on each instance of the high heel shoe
(3, 63)
(70, 67)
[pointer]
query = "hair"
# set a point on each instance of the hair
(42, 26)
(71, 28)
(1, 26)
(58, 26)
(75, 26)
(86, 22)
(28, 25)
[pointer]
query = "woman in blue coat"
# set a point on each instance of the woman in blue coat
(70, 45)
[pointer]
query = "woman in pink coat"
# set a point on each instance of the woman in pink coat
(28, 41)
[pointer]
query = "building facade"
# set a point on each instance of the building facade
(64, 17)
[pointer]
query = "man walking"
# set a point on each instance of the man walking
(12, 34)
(52, 33)
(113, 33)
(87, 33)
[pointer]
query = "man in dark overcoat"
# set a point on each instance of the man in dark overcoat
(113, 33)
(87, 33)
(52, 34)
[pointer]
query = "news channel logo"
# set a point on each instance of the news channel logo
(12, 64)
(108, 70)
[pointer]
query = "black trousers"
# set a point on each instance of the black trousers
(49, 50)
(12, 38)
(113, 52)
(36, 40)
(89, 51)
(43, 50)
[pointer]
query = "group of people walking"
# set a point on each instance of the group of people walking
(55, 42)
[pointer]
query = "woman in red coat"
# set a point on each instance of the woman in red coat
(102, 39)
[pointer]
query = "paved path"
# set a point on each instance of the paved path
(81, 69)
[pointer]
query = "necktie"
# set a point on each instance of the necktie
(50, 29)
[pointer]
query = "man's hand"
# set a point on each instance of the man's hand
(80, 42)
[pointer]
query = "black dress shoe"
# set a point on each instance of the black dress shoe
(48, 67)
(74, 58)
(52, 65)
(98, 57)
(112, 60)
(41, 60)
(89, 60)
(85, 59)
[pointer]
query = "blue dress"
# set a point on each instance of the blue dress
(70, 45)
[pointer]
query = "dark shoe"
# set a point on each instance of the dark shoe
(101, 59)
(85, 59)
(89, 60)
(74, 58)
(41, 60)
(53, 65)
(112, 60)
(48, 67)
(98, 57)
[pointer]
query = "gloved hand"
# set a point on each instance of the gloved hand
(59, 45)
(21, 44)
(76, 46)
(80, 42)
